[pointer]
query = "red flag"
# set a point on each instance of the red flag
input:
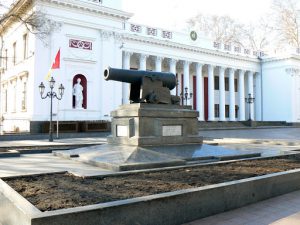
(56, 63)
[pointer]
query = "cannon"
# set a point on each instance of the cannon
(146, 86)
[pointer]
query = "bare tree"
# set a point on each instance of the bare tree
(286, 17)
(226, 30)
(257, 36)
(35, 22)
(220, 28)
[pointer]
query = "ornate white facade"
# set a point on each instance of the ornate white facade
(92, 36)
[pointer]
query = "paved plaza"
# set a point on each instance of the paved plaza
(276, 211)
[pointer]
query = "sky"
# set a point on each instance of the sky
(172, 14)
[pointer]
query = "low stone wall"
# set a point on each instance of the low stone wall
(70, 126)
(162, 209)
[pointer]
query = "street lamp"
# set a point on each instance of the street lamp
(249, 100)
(186, 96)
(51, 94)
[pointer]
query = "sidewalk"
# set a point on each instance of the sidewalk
(56, 142)
(274, 211)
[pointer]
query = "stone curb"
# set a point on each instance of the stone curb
(172, 208)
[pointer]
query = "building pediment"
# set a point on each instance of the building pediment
(90, 6)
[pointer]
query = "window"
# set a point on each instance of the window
(236, 111)
(217, 45)
(14, 98)
(25, 46)
(217, 83)
(237, 49)
(5, 100)
(24, 103)
(217, 110)
(227, 111)
(247, 51)
(14, 53)
(227, 47)
(226, 84)
(235, 85)
(5, 58)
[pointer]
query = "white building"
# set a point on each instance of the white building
(95, 34)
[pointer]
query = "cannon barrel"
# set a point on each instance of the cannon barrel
(135, 76)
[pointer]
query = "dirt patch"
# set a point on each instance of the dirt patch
(57, 191)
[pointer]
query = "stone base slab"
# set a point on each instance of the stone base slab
(124, 157)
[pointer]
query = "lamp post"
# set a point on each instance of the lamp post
(51, 94)
(249, 100)
(186, 95)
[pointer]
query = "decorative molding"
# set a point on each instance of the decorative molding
(237, 49)
(172, 62)
(86, 45)
(13, 80)
(159, 58)
(175, 45)
(186, 63)
(227, 47)
(135, 28)
(151, 31)
(143, 57)
(23, 75)
(80, 60)
(167, 34)
(241, 72)
(198, 66)
(293, 71)
(231, 70)
(127, 54)
(222, 69)
(118, 37)
(217, 45)
(247, 51)
(106, 34)
(86, 38)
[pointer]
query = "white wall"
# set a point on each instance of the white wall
(277, 92)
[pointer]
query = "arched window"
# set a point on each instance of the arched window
(83, 83)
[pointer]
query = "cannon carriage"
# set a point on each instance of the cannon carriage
(146, 86)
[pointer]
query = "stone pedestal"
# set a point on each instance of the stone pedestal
(154, 125)
(151, 136)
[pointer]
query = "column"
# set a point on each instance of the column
(241, 90)
(222, 93)
(211, 96)
(250, 91)
(231, 95)
(257, 101)
(186, 79)
(172, 65)
(143, 62)
(199, 88)
(126, 86)
(158, 63)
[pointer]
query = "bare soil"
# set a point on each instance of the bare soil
(56, 191)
